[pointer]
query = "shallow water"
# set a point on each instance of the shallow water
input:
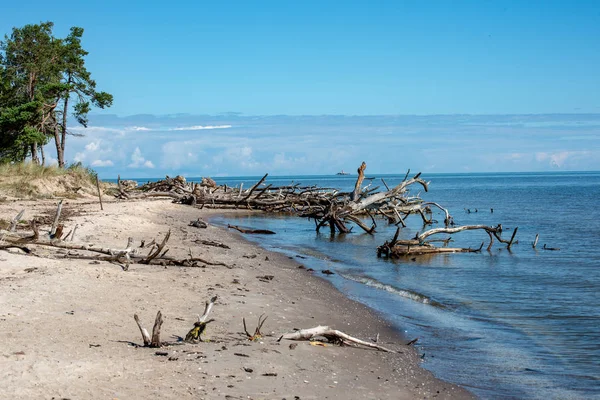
(505, 324)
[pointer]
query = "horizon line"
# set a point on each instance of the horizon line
(367, 174)
(240, 114)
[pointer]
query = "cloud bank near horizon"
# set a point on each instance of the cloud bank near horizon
(143, 146)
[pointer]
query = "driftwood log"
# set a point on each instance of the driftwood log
(332, 335)
(124, 256)
(419, 245)
(327, 206)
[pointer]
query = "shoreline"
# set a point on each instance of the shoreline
(103, 298)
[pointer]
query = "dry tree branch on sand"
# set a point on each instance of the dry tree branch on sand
(332, 335)
(194, 335)
(257, 333)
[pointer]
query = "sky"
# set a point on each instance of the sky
(170, 63)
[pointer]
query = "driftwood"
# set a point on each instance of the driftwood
(56, 218)
(331, 335)
(194, 335)
(330, 208)
(257, 334)
(126, 256)
(212, 243)
(251, 231)
(198, 224)
(550, 248)
(419, 245)
(15, 221)
(155, 340)
(325, 205)
(99, 193)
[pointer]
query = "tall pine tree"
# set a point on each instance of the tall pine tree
(39, 76)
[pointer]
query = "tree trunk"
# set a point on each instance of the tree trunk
(43, 155)
(59, 152)
(60, 145)
(34, 154)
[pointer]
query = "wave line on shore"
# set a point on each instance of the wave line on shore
(406, 293)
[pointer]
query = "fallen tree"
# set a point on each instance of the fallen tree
(419, 245)
(332, 335)
(125, 257)
(326, 206)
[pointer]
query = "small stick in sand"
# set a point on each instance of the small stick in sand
(15, 220)
(99, 194)
(56, 218)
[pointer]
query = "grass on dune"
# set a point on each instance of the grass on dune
(25, 180)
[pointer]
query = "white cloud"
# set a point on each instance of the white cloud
(241, 157)
(180, 154)
(307, 145)
(92, 146)
(51, 160)
(200, 127)
(102, 163)
(99, 130)
(137, 160)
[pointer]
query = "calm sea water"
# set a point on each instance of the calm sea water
(505, 324)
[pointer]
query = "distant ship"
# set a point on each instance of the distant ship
(342, 172)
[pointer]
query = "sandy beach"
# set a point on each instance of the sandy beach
(68, 331)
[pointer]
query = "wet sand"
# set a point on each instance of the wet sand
(67, 326)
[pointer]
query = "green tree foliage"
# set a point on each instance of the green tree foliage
(39, 75)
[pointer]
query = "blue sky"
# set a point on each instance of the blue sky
(494, 58)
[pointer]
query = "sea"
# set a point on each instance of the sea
(522, 323)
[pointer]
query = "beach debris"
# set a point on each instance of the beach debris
(153, 341)
(326, 206)
(208, 182)
(419, 245)
(53, 232)
(332, 336)
(328, 272)
(100, 193)
(212, 243)
(415, 340)
(125, 256)
(550, 248)
(198, 224)
(251, 231)
(194, 335)
(15, 221)
(266, 278)
(257, 334)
